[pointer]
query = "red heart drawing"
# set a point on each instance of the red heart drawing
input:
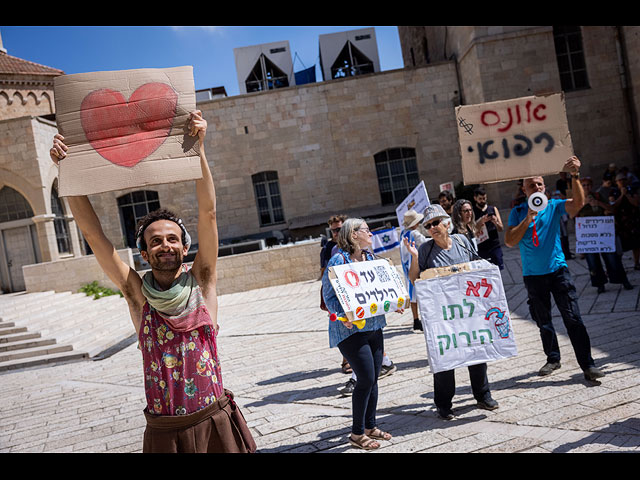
(127, 132)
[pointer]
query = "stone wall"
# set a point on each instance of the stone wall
(69, 274)
(236, 273)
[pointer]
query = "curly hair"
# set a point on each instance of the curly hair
(456, 217)
(149, 218)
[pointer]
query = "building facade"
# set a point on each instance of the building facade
(286, 159)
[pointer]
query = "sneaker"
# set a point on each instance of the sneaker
(488, 404)
(347, 390)
(417, 325)
(445, 414)
(627, 286)
(593, 373)
(387, 370)
(548, 368)
(601, 289)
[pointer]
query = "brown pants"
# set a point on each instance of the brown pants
(218, 428)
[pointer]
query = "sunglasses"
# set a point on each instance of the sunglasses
(435, 223)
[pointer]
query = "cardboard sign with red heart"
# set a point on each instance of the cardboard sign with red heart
(126, 129)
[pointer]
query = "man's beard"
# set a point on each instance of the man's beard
(481, 205)
(166, 265)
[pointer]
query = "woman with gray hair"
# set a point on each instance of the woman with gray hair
(363, 348)
(448, 249)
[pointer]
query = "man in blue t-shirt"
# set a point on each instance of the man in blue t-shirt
(545, 270)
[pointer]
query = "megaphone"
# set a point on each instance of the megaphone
(537, 201)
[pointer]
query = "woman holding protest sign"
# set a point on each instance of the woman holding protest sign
(363, 348)
(448, 249)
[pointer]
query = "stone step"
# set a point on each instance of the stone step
(52, 358)
(34, 352)
(29, 343)
(10, 327)
(14, 337)
(46, 327)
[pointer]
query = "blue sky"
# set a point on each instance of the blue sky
(77, 49)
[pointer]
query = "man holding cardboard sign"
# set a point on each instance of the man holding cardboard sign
(536, 230)
(174, 312)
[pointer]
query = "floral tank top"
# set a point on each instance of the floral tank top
(181, 369)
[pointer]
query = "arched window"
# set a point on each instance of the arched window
(267, 191)
(13, 206)
(133, 206)
(397, 174)
(60, 223)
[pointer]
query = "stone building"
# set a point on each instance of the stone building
(34, 224)
(286, 159)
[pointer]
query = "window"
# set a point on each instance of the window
(60, 223)
(265, 76)
(351, 62)
(570, 57)
(133, 206)
(397, 174)
(267, 191)
(13, 206)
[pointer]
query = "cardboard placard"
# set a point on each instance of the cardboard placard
(595, 234)
(367, 289)
(513, 139)
(465, 316)
(126, 129)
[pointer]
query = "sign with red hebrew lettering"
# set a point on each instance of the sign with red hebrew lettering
(367, 289)
(126, 129)
(513, 139)
(465, 316)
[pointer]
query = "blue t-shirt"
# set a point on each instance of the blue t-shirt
(547, 257)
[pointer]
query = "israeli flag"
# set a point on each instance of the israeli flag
(384, 240)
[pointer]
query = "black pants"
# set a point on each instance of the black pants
(444, 385)
(364, 352)
(559, 284)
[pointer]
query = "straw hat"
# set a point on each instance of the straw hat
(411, 218)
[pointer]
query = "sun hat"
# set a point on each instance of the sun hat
(411, 218)
(434, 211)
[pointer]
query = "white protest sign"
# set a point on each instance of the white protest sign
(465, 317)
(483, 235)
(513, 139)
(417, 200)
(595, 234)
(448, 186)
(367, 289)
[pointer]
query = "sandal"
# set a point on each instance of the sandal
(346, 368)
(364, 442)
(378, 434)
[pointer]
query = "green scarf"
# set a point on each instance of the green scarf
(173, 301)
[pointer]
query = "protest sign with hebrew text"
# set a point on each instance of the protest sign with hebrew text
(595, 234)
(367, 289)
(465, 316)
(513, 139)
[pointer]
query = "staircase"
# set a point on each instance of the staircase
(49, 327)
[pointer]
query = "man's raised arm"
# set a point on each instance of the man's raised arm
(121, 274)
(204, 265)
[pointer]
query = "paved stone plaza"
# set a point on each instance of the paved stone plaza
(275, 358)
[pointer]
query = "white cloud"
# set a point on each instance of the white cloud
(206, 28)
